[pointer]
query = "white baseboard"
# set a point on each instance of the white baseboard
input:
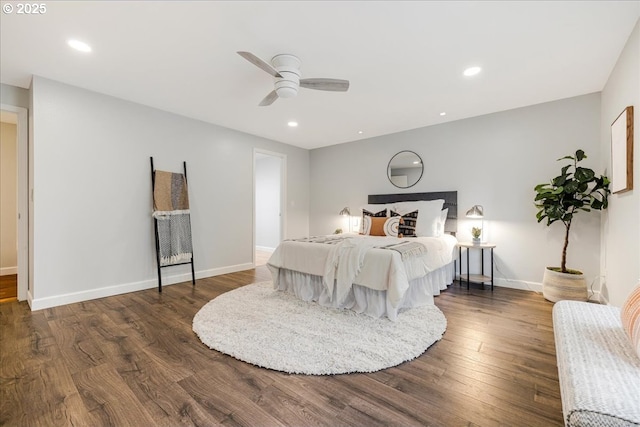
(523, 285)
(73, 297)
(265, 249)
(30, 299)
(537, 287)
(70, 298)
(7, 271)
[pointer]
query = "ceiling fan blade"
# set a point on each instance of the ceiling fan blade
(334, 85)
(259, 63)
(269, 99)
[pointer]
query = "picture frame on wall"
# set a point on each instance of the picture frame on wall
(622, 152)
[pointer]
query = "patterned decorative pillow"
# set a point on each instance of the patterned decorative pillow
(430, 210)
(408, 223)
(381, 213)
(380, 226)
(366, 213)
(392, 226)
(630, 316)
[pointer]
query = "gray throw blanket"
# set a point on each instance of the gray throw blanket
(407, 249)
(174, 236)
(331, 240)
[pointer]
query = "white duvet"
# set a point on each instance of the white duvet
(359, 260)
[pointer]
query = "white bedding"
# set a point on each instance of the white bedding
(359, 260)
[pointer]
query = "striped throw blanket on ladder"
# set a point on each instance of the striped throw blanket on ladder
(171, 209)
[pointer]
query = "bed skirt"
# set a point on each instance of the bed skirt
(361, 299)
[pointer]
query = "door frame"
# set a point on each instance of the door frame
(22, 142)
(283, 196)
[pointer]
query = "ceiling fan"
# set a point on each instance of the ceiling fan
(286, 69)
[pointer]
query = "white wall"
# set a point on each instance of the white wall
(620, 255)
(8, 199)
(93, 234)
(494, 160)
(268, 201)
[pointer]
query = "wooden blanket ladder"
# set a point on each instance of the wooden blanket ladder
(155, 227)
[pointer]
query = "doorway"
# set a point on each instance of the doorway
(14, 213)
(8, 206)
(269, 203)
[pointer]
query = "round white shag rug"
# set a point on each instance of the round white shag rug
(276, 330)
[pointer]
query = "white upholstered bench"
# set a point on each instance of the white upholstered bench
(598, 367)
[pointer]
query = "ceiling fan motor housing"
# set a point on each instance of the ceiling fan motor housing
(289, 68)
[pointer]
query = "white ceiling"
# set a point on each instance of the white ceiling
(404, 59)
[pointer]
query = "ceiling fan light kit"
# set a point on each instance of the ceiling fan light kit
(285, 68)
(288, 67)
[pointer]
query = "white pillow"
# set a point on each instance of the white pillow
(442, 220)
(429, 213)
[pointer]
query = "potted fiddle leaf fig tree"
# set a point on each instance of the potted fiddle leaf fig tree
(576, 189)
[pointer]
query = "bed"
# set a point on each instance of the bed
(379, 275)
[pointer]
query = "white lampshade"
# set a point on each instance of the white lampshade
(477, 211)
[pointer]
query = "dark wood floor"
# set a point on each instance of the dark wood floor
(133, 360)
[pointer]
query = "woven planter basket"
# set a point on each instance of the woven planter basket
(557, 286)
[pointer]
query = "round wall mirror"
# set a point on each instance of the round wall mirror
(405, 169)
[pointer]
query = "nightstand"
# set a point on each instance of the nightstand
(475, 278)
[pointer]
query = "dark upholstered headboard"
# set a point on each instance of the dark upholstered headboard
(450, 201)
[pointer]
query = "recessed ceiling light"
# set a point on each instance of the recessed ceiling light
(443, 113)
(78, 45)
(360, 132)
(472, 71)
(292, 124)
